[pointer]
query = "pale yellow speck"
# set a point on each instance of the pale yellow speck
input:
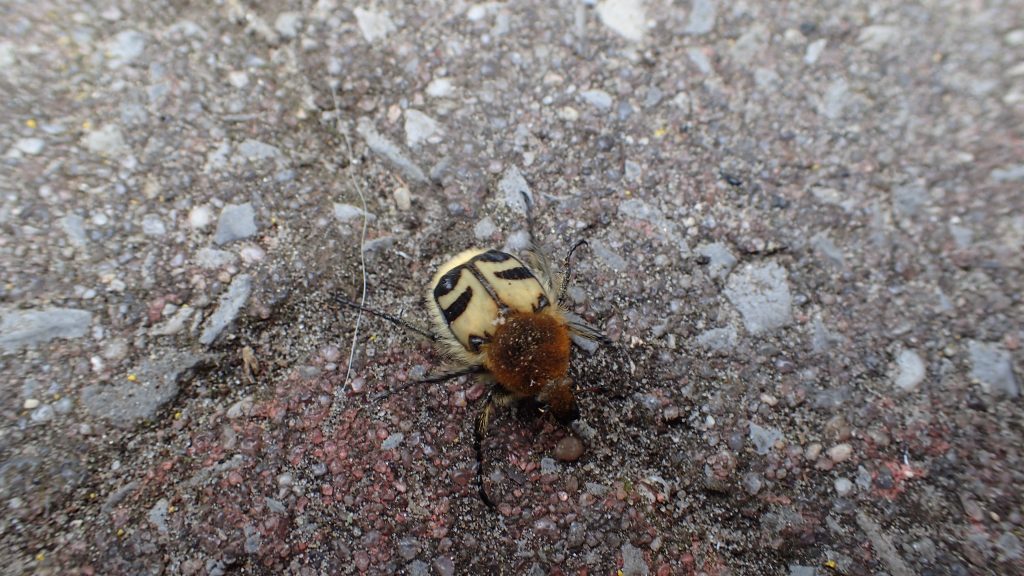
(31, 122)
(177, 415)
(40, 557)
(171, 509)
(86, 125)
(660, 132)
(132, 378)
(120, 532)
(830, 564)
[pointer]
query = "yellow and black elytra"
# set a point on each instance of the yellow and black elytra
(498, 317)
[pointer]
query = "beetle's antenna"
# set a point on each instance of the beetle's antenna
(393, 319)
(568, 270)
(529, 214)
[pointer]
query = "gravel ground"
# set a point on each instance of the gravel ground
(806, 222)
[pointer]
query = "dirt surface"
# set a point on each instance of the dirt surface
(805, 226)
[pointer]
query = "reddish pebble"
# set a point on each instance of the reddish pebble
(476, 391)
(569, 449)
(362, 561)
(234, 478)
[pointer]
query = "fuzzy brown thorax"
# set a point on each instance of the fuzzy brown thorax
(529, 356)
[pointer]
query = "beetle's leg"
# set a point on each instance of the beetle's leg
(496, 396)
(432, 379)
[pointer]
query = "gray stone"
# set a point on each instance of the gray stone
(30, 146)
(287, 24)
(877, 37)
(392, 441)
(828, 250)
(598, 99)
(761, 294)
(255, 151)
(74, 226)
(750, 44)
(389, 150)
(348, 213)
(230, 304)
(633, 563)
(908, 200)
(42, 414)
(908, 370)
(752, 483)
(720, 259)
(107, 141)
(156, 383)
(175, 323)
(798, 570)
(152, 225)
(814, 50)
(608, 256)
(883, 546)
(123, 48)
(23, 328)
(702, 17)
(836, 99)
(764, 438)
(843, 486)
(512, 187)
(718, 339)
(253, 539)
(485, 228)
(992, 367)
(627, 18)
(237, 222)
(211, 258)
(378, 244)
(157, 515)
(548, 465)
(1009, 547)
(420, 128)
(1008, 174)
(640, 210)
(700, 60)
(374, 25)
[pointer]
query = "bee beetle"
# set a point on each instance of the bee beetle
(503, 319)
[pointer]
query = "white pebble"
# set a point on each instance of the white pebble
(30, 146)
(200, 217)
(403, 199)
(31, 404)
(840, 452)
(843, 486)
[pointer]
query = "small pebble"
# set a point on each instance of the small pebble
(840, 452)
(752, 483)
(843, 486)
(31, 404)
(569, 449)
(403, 199)
(444, 566)
(43, 413)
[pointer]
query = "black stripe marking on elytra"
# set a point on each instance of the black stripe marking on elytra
(452, 312)
(447, 282)
(493, 256)
(520, 273)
